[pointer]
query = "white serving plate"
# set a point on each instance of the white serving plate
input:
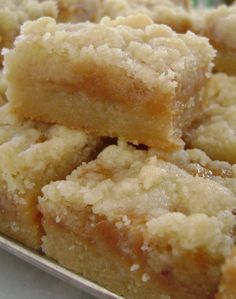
(39, 260)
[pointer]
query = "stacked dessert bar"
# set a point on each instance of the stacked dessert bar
(152, 213)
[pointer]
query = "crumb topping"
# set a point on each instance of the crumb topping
(216, 134)
(160, 11)
(132, 187)
(14, 13)
(153, 53)
(220, 26)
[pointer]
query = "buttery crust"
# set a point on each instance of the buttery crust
(32, 155)
(127, 77)
(171, 227)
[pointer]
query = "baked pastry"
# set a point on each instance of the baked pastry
(161, 11)
(141, 226)
(215, 133)
(13, 13)
(31, 156)
(219, 25)
(127, 77)
(227, 288)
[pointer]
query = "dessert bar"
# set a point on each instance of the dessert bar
(141, 226)
(77, 10)
(31, 156)
(161, 11)
(215, 133)
(125, 78)
(13, 13)
(219, 25)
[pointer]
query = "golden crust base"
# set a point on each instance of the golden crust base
(96, 258)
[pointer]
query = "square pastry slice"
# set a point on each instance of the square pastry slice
(161, 12)
(31, 156)
(126, 78)
(219, 25)
(215, 132)
(227, 288)
(140, 226)
(13, 13)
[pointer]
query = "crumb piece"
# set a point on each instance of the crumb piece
(58, 219)
(145, 277)
(134, 267)
(126, 220)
